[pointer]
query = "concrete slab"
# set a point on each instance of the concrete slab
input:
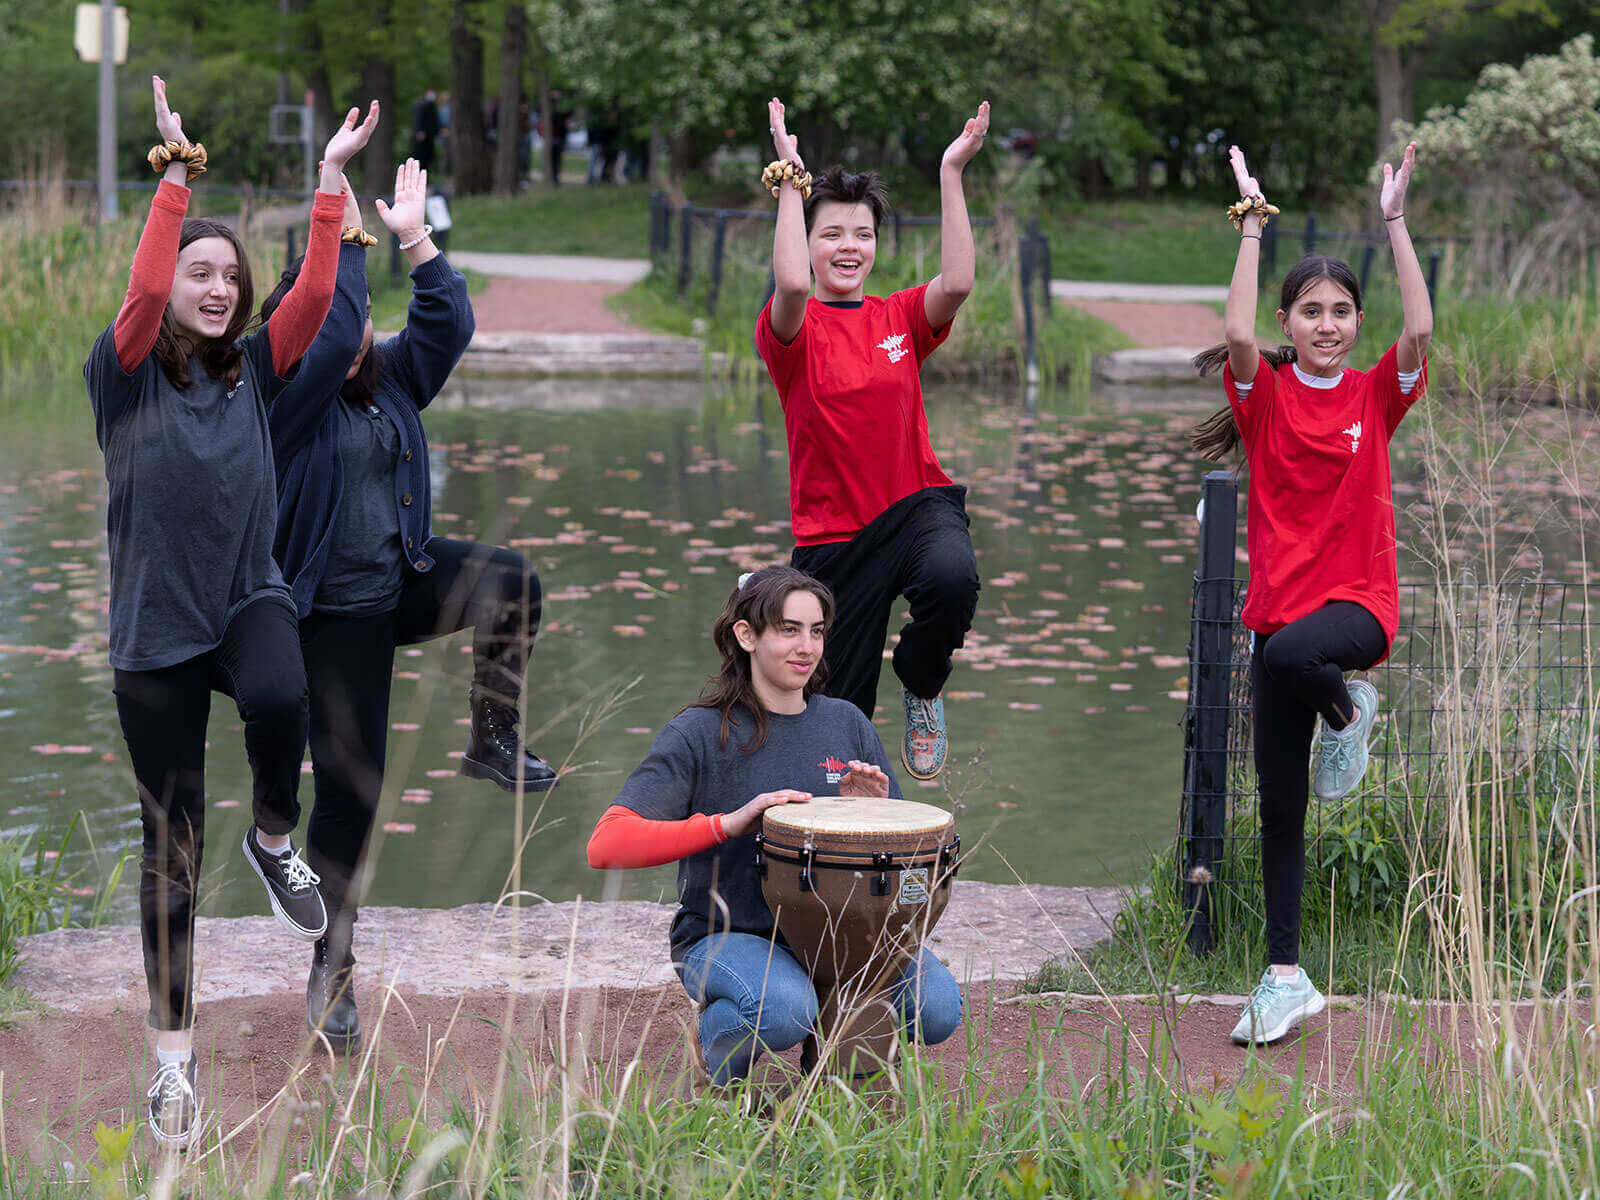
(1169, 364)
(566, 268)
(990, 931)
(1151, 293)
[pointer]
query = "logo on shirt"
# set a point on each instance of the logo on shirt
(836, 770)
(894, 347)
(1354, 434)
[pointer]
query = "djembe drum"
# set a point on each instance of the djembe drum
(855, 884)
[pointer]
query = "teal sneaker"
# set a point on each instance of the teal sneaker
(923, 747)
(1342, 754)
(1276, 1006)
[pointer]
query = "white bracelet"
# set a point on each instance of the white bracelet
(419, 239)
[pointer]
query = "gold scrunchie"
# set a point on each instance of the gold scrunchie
(357, 236)
(1238, 212)
(779, 172)
(191, 154)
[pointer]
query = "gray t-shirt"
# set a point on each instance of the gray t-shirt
(687, 771)
(191, 504)
(365, 567)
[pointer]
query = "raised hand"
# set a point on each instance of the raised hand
(169, 125)
(864, 779)
(406, 215)
(783, 142)
(1392, 196)
(350, 139)
(968, 142)
(742, 820)
(352, 206)
(1248, 186)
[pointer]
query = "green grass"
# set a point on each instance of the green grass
(610, 221)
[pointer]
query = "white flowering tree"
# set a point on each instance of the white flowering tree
(1523, 152)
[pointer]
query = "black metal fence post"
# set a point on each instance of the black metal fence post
(288, 245)
(660, 216)
(685, 236)
(719, 242)
(1205, 751)
(1433, 279)
(1370, 253)
(1269, 246)
(1311, 233)
(895, 216)
(1025, 268)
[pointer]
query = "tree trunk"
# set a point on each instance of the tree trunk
(377, 83)
(472, 167)
(513, 45)
(1394, 71)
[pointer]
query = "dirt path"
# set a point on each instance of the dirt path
(63, 1073)
(1156, 325)
(510, 305)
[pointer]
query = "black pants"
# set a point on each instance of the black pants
(349, 661)
(163, 715)
(918, 547)
(1296, 675)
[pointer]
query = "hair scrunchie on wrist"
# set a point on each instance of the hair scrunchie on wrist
(1249, 204)
(191, 154)
(357, 236)
(781, 171)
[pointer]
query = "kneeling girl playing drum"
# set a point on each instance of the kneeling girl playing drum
(761, 734)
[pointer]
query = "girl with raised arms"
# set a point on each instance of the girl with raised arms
(1323, 596)
(874, 515)
(762, 733)
(179, 393)
(367, 574)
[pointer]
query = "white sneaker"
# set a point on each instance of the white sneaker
(1276, 1006)
(1342, 754)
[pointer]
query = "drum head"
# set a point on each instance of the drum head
(855, 815)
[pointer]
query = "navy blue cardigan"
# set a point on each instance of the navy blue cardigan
(305, 445)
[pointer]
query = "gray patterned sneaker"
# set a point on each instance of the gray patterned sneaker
(291, 886)
(925, 743)
(1342, 754)
(1276, 1006)
(174, 1109)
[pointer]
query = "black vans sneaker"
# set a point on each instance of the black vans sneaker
(291, 886)
(174, 1108)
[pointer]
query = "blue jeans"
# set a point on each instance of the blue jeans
(755, 996)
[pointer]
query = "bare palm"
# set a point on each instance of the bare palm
(784, 143)
(350, 139)
(168, 123)
(410, 198)
(1392, 197)
(969, 141)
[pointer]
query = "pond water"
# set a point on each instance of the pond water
(640, 502)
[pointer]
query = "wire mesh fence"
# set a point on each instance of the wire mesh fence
(1488, 704)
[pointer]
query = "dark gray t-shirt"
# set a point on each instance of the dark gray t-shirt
(365, 568)
(687, 771)
(191, 504)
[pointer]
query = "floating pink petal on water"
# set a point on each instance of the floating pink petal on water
(226, 804)
(631, 631)
(637, 729)
(46, 748)
(1023, 706)
(399, 827)
(440, 773)
(405, 727)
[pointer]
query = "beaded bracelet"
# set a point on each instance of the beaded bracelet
(779, 172)
(191, 154)
(357, 236)
(427, 232)
(1238, 212)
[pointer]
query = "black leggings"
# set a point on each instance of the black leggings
(918, 547)
(163, 715)
(1297, 674)
(349, 661)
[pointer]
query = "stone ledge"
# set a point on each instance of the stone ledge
(1170, 364)
(990, 931)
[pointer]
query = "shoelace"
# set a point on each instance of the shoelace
(171, 1083)
(500, 727)
(1265, 993)
(1335, 749)
(296, 873)
(919, 713)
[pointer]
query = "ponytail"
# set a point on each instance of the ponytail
(1217, 437)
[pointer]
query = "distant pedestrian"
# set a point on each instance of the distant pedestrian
(425, 127)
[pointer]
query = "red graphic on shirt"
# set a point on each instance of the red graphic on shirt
(835, 769)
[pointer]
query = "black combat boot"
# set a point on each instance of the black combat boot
(331, 1002)
(493, 751)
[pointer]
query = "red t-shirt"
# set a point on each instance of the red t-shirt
(1320, 516)
(851, 388)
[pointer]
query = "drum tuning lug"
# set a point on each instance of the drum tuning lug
(880, 882)
(761, 859)
(808, 862)
(950, 859)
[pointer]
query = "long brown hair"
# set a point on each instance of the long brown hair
(1217, 437)
(760, 602)
(219, 355)
(359, 387)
